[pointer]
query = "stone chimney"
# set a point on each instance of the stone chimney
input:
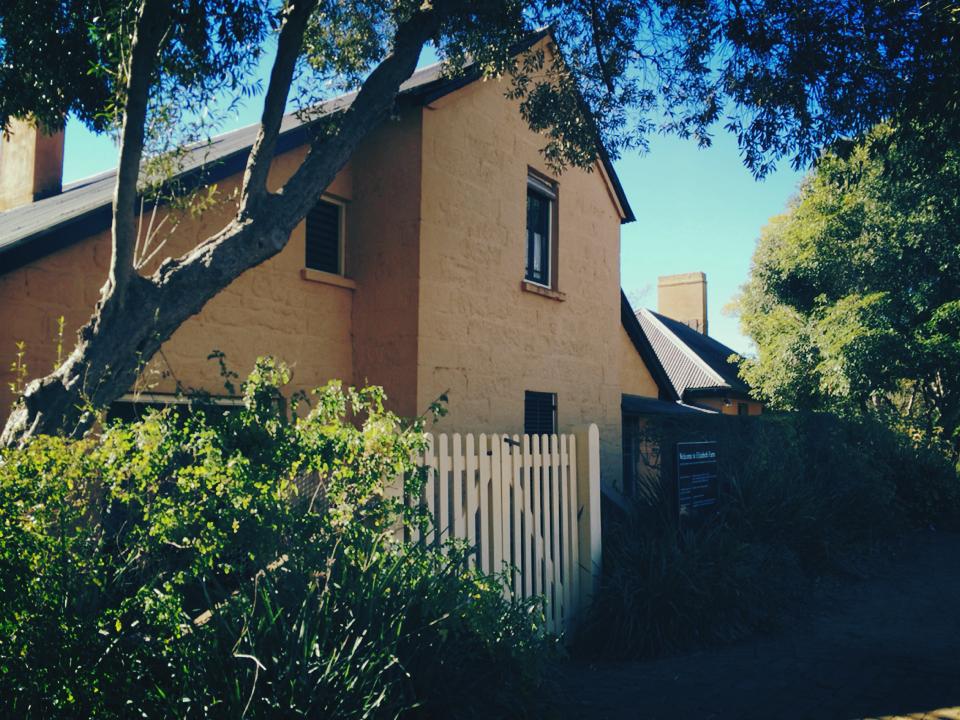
(684, 298)
(31, 164)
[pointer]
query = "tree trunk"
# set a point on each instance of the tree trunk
(97, 372)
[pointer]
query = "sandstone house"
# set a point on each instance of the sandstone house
(445, 257)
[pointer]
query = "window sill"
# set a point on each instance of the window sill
(328, 278)
(530, 287)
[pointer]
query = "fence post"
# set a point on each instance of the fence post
(588, 511)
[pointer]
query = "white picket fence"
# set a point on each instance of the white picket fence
(528, 506)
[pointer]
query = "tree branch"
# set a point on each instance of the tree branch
(598, 48)
(371, 105)
(148, 35)
(289, 45)
(264, 230)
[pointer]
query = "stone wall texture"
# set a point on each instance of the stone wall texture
(269, 309)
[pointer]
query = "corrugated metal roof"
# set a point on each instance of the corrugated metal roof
(83, 208)
(691, 360)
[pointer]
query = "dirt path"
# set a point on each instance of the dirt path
(888, 646)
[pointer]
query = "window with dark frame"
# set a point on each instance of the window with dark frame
(324, 247)
(743, 409)
(541, 197)
(539, 413)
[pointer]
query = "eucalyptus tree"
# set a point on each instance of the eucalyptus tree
(853, 300)
(784, 75)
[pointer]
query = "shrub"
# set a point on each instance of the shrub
(193, 564)
(661, 593)
(802, 496)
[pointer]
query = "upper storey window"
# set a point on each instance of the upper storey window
(325, 237)
(541, 253)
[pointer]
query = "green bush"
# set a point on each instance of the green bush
(193, 564)
(802, 496)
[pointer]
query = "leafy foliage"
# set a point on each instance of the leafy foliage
(803, 496)
(854, 292)
(785, 76)
(58, 58)
(194, 564)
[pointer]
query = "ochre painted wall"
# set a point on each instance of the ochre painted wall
(384, 246)
(32, 297)
(482, 338)
(635, 377)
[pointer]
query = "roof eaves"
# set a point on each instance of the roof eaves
(442, 86)
(628, 216)
(639, 405)
(75, 227)
(716, 391)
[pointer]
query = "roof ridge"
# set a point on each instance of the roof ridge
(683, 347)
(709, 338)
(88, 179)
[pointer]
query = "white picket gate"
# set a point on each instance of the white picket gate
(528, 507)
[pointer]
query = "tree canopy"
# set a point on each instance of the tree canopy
(786, 76)
(854, 295)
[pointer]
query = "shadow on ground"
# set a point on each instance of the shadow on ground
(885, 647)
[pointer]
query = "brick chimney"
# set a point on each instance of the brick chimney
(31, 164)
(684, 298)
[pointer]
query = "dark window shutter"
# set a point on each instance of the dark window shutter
(539, 413)
(323, 237)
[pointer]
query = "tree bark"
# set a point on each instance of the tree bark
(148, 35)
(136, 316)
(281, 75)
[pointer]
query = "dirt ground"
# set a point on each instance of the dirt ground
(884, 647)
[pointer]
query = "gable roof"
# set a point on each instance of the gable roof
(694, 363)
(83, 208)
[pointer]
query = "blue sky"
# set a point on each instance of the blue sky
(697, 209)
